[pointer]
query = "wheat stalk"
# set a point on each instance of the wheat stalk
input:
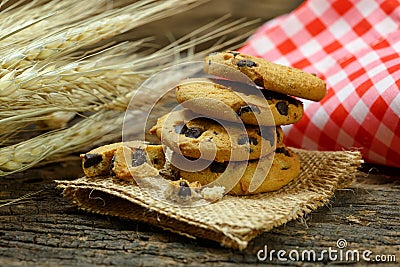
(57, 73)
(18, 200)
(93, 30)
(26, 154)
(90, 83)
(18, 66)
(37, 21)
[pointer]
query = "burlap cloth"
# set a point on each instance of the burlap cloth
(232, 221)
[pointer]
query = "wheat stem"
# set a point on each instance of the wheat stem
(15, 21)
(104, 26)
(28, 153)
(75, 65)
(13, 201)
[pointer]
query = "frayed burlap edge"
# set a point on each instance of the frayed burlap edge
(233, 221)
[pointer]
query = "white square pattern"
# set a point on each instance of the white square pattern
(384, 134)
(366, 7)
(310, 48)
(360, 111)
(340, 28)
(293, 26)
(320, 118)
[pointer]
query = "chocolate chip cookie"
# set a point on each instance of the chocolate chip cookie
(105, 160)
(191, 136)
(137, 161)
(271, 76)
(182, 189)
(273, 172)
(250, 104)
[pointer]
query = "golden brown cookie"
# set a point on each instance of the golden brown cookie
(276, 170)
(180, 132)
(137, 161)
(251, 105)
(182, 188)
(271, 76)
(98, 161)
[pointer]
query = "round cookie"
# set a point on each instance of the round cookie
(180, 132)
(271, 108)
(98, 162)
(285, 167)
(272, 76)
(181, 189)
(137, 161)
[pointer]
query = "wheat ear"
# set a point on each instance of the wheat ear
(101, 83)
(28, 153)
(44, 17)
(103, 26)
(80, 87)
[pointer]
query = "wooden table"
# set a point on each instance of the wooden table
(46, 230)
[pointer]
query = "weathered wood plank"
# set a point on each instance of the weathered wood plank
(47, 230)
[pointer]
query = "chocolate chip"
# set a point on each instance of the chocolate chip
(253, 141)
(246, 63)
(90, 160)
(112, 173)
(218, 167)
(215, 133)
(284, 168)
(193, 132)
(282, 108)
(138, 157)
(265, 133)
(248, 108)
(173, 174)
(155, 161)
(282, 150)
(262, 130)
(178, 128)
(184, 190)
(259, 81)
(234, 53)
(270, 95)
(244, 139)
(278, 135)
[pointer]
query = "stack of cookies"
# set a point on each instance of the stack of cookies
(235, 126)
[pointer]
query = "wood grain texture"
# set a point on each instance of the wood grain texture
(46, 230)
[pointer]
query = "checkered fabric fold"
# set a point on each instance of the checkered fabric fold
(354, 46)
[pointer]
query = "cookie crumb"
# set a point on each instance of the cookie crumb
(213, 193)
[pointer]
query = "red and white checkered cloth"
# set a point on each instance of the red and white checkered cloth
(354, 46)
